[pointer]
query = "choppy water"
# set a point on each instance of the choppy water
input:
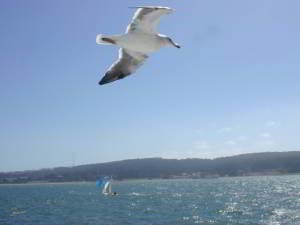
(249, 200)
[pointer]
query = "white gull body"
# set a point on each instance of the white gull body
(139, 40)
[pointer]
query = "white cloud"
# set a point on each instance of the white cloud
(201, 145)
(272, 123)
(266, 135)
(266, 141)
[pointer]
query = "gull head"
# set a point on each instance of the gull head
(170, 42)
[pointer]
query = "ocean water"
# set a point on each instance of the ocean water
(273, 200)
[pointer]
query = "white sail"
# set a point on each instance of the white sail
(107, 188)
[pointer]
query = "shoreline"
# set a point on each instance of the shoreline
(146, 179)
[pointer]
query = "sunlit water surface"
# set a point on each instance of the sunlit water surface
(245, 200)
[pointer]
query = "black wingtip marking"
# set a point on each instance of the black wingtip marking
(109, 40)
(104, 80)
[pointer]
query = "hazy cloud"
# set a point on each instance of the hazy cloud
(201, 145)
(268, 142)
(230, 142)
(272, 123)
(241, 138)
(225, 129)
(266, 135)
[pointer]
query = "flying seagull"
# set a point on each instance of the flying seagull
(139, 40)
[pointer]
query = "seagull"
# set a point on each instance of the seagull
(139, 40)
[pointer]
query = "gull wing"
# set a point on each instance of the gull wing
(146, 19)
(127, 63)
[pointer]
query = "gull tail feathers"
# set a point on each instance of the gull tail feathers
(104, 40)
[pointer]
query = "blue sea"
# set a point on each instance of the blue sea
(272, 200)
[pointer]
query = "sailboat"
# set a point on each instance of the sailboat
(106, 183)
(107, 188)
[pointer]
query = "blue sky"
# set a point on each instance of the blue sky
(232, 88)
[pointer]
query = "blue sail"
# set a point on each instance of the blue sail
(101, 182)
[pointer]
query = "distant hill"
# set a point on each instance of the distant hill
(266, 163)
